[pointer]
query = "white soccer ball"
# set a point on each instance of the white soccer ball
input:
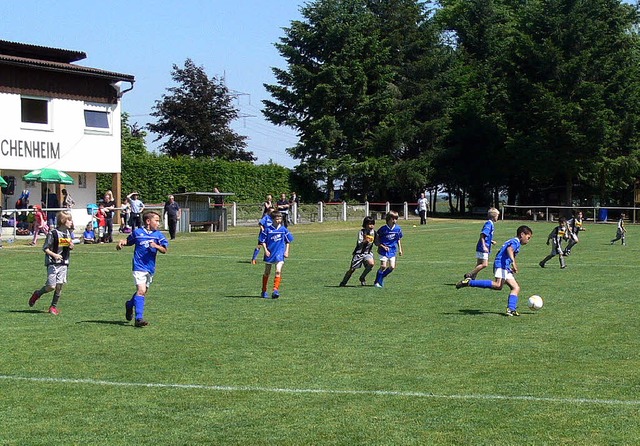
(535, 302)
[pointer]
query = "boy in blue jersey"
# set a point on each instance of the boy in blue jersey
(362, 252)
(275, 240)
(265, 222)
(483, 247)
(504, 268)
(148, 241)
(57, 248)
(389, 245)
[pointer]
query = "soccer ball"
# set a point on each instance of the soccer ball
(535, 302)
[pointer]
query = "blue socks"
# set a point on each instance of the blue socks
(382, 274)
(138, 303)
(512, 302)
(481, 283)
(255, 253)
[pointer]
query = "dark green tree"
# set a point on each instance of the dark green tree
(576, 82)
(195, 118)
(547, 97)
(339, 93)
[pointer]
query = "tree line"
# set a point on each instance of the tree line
(537, 99)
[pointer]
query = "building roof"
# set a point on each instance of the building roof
(52, 59)
(28, 51)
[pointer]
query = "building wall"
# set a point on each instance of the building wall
(67, 145)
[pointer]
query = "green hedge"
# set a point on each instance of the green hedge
(156, 176)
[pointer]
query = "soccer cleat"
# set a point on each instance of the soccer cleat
(463, 283)
(511, 312)
(567, 252)
(275, 294)
(468, 276)
(363, 283)
(342, 284)
(141, 323)
(53, 310)
(128, 311)
(34, 297)
(253, 261)
(541, 264)
(377, 285)
(265, 295)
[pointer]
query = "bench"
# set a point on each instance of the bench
(209, 226)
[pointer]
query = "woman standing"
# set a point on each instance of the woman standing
(109, 209)
(268, 204)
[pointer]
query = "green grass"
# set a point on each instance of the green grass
(415, 363)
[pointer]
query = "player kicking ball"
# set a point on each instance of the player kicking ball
(504, 267)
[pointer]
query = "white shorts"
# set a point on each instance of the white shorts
(505, 274)
(56, 274)
(482, 255)
(142, 277)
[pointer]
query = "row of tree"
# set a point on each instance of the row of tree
(539, 98)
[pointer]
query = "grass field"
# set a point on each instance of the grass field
(415, 363)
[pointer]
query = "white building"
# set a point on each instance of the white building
(54, 113)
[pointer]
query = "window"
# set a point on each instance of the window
(82, 181)
(35, 113)
(97, 119)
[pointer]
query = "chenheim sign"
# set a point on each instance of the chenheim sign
(29, 149)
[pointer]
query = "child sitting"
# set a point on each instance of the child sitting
(89, 236)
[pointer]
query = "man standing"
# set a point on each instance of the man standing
(173, 211)
(137, 207)
(282, 206)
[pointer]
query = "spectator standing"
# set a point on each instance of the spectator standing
(173, 211)
(109, 208)
(294, 201)
(125, 216)
(282, 206)
(267, 206)
(67, 201)
(423, 207)
(101, 217)
(52, 202)
(137, 206)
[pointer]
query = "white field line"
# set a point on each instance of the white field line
(590, 401)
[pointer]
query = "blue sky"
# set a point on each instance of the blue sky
(231, 38)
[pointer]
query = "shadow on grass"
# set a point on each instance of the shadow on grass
(252, 296)
(122, 323)
(31, 311)
(470, 312)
